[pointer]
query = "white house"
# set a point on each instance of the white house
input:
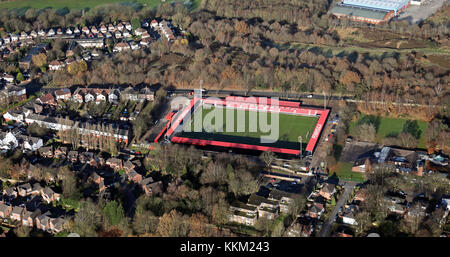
(56, 65)
(89, 97)
(50, 33)
(18, 117)
(113, 96)
(32, 143)
(126, 33)
(8, 141)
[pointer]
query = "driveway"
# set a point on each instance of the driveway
(348, 189)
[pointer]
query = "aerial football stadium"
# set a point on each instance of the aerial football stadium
(298, 131)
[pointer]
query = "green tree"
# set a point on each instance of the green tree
(114, 212)
(20, 77)
(412, 127)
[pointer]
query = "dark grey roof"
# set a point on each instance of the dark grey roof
(342, 9)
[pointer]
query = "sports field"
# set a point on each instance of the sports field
(290, 127)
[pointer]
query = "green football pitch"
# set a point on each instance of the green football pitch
(289, 127)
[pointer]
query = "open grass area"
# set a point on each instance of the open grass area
(388, 127)
(343, 171)
(290, 127)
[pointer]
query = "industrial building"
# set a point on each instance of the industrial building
(371, 11)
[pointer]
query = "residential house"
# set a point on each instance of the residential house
(417, 209)
(24, 189)
(128, 25)
(113, 96)
(316, 210)
(41, 33)
(126, 33)
(46, 152)
(363, 165)
(91, 42)
(404, 161)
(134, 176)
(27, 218)
(16, 213)
(120, 26)
(63, 94)
(446, 201)
(139, 31)
(56, 65)
(145, 35)
(111, 28)
(76, 30)
(243, 213)
(152, 188)
(284, 199)
(8, 78)
(361, 195)
(96, 178)
(13, 93)
(134, 46)
(114, 163)
(47, 99)
(121, 47)
(36, 190)
(101, 97)
(154, 24)
(33, 34)
(118, 34)
(130, 94)
(43, 221)
(73, 156)
(128, 166)
(59, 31)
(61, 152)
(50, 33)
(146, 94)
(69, 31)
(94, 30)
(10, 192)
(145, 42)
(266, 208)
(85, 30)
(15, 37)
(49, 195)
(103, 29)
(327, 191)
(30, 143)
(348, 217)
(78, 95)
(89, 97)
(5, 210)
(57, 225)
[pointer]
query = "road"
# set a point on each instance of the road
(348, 189)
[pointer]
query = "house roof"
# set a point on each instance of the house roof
(146, 181)
(4, 207)
(328, 188)
(17, 210)
(256, 200)
(359, 12)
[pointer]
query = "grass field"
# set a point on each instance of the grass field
(72, 4)
(290, 128)
(344, 171)
(392, 127)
